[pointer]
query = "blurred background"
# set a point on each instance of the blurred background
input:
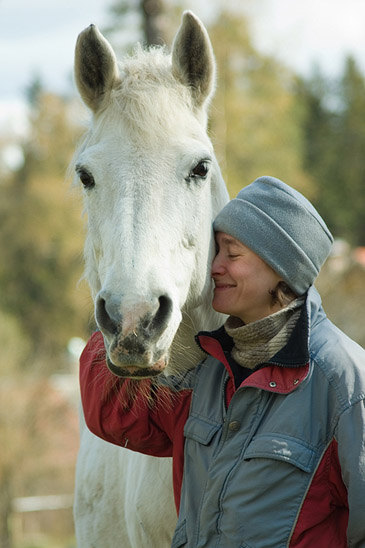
(290, 102)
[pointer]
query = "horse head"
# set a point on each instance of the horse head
(152, 187)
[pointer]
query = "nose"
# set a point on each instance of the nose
(107, 314)
(161, 318)
(151, 323)
(217, 265)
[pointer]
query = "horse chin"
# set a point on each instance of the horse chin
(136, 372)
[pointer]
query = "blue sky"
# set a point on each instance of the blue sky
(38, 37)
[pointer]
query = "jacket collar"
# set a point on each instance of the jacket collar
(294, 354)
(286, 370)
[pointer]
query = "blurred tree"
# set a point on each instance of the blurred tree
(333, 126)
(6, 540)
(350, 164)
(254, 117)
(316, 122)
(316, 118)
(34, 90)
(152, 16)
(41, 237)
(138, 20)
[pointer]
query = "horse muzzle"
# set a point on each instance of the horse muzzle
(133, 338)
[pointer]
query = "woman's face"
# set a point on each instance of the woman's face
(243, 281)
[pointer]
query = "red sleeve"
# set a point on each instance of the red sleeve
(130, 413)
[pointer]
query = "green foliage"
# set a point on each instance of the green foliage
(254, 116)
(41, 241)
(333, 126)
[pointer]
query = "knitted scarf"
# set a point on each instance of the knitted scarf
(258, 341)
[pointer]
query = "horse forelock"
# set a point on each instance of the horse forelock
(148, 100)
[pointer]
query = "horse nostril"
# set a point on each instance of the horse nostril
(162, 315)
(105, 322)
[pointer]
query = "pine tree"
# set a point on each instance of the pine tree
(254, 119)
(334, 136)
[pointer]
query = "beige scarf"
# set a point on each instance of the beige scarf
(258, 341)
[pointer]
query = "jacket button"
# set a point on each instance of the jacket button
(272, 384)
(234, 426)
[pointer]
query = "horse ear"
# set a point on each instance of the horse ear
(96, 68)
(193, 61)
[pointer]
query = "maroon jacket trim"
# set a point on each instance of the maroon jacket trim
(327, 525)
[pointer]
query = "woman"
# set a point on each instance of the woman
(267, 434)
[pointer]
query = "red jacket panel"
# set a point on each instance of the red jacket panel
(149, 427)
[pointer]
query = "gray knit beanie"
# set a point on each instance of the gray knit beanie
(282, 227)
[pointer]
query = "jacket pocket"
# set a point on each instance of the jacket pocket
(180, 537)
(282, 448)
(200, 430)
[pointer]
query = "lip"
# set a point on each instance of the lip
(133, 372)
(222, 286)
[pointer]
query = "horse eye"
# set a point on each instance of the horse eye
(200, 170)
(86, 178)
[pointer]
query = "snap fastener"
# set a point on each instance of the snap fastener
(234, 426)
(295, 381)
(272, 384)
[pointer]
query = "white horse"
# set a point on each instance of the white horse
(152, 187)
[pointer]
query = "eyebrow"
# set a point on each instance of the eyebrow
(229, 240)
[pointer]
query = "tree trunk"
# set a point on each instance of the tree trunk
(5, 511)
(153, 27)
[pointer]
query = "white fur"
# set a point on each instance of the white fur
(149, 233)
